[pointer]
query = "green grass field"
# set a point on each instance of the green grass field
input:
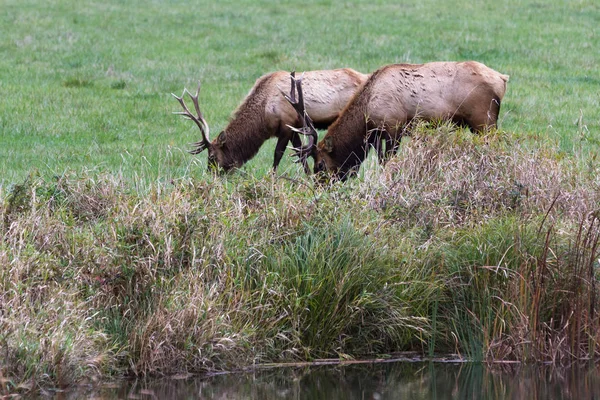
(120, 255)
(86, 85)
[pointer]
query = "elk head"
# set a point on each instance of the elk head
(204, 143)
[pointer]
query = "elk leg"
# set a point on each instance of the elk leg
(379, 147)
(391, 146)
(380, 154)
(375, 140)
(282, 143)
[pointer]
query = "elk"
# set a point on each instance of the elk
(466, 93)
(265, 113)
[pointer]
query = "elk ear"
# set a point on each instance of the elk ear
(327, 144)
(221, 139)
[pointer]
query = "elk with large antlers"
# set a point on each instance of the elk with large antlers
(467, 93)
(265, 113)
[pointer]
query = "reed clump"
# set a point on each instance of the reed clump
(477, 245)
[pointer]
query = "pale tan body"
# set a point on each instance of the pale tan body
(462, 92)
(265, 113)
(326, 94)
(468, 93)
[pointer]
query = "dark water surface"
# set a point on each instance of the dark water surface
(400, 380)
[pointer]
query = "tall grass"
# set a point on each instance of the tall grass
(454, 246)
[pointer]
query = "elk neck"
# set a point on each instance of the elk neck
(348, 134)
(247, 130)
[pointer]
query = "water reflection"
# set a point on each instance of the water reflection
(401, 380)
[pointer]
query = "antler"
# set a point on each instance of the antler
(308, 128)
(198, 119)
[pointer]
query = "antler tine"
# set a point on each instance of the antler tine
(293, 86)
(303, 152)
(308, 128)
(299, 105)
(292, 96)
(198, 119)
(196, 106)
(198, 147)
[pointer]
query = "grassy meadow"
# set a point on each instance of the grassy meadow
(87, 85)
(121, 255)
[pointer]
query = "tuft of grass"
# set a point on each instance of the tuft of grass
(119, 85)
(331, 295)
(77, 83)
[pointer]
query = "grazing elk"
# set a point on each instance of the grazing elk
(265, 113)
(467, 93)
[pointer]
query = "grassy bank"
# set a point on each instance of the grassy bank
(463, 244)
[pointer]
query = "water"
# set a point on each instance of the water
(400, 380)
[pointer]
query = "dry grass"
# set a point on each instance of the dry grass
(467, 244)
(449, 177)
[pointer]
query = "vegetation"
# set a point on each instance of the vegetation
(474, 245)
(120, 254)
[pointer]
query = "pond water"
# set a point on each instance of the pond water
(398, 380)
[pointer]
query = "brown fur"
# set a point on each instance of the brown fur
(468, 93)
(265, 113)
